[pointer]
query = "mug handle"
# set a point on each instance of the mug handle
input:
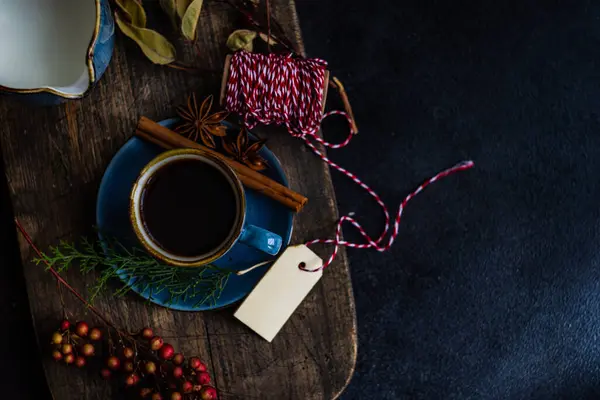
(261, 239)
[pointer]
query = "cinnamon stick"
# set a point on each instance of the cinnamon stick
(166, 138)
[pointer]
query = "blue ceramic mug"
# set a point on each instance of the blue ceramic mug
(239, 232)
(53, 50)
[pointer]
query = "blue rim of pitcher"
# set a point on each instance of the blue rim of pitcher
(89, 62)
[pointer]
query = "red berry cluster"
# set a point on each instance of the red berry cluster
(144, 363)
(75, 346)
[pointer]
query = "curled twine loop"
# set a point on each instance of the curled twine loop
(282, 90)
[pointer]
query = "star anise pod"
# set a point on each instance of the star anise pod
(199, 123)
(245, 152)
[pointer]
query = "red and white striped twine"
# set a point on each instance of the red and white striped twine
(282, 90)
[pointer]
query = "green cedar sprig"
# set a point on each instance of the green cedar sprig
(134, 266)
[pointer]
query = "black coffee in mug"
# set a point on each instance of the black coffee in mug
(189, 207)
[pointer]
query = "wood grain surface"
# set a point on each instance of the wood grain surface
(54, 159)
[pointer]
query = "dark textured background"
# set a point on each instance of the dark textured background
(492, 290)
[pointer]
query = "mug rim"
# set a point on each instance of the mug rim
(138, 223)
(89, 62)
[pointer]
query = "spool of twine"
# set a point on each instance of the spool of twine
(290, 91)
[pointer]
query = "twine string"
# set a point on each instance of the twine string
(282, 90)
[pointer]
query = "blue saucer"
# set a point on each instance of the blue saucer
(112, 218)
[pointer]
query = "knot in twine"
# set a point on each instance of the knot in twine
(283, 90)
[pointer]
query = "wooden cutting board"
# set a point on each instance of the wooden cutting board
(54, 160)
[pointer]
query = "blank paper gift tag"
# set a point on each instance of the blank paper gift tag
(280, 291)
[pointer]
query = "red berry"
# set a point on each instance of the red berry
(166, 352)
(65, 325)
(208, 393)
(177, 372)
(105, 373)
(67, 348)
(147, 333)
(132, 380)
(88, 350)
(145, 392)
(57, 338)
(113, 363)
(95, 334)
(178, 359)
(82, 328)
(80, 361)
(176, 396)
(201, 367)
(57, 355)
(156, 343)
(128, 352)
(128, 366)
(196, 364)
(157, 396)
(70, 358)
(203, 378)
(186, 387)
(150, 367)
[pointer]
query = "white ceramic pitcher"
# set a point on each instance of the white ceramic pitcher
(52, 50)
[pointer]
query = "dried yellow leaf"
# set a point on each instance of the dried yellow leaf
(242, 39)
(155, 46)
(134, 11)
(181, 6)
(189, 22)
